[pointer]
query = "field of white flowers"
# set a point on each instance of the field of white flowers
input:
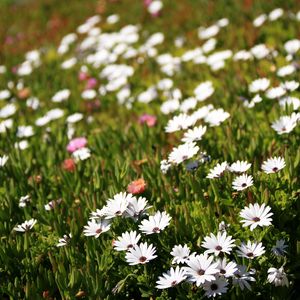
(153, 153)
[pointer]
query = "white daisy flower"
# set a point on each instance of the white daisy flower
(239, 167)
(260, 20)
(275, 92)
(26, 226)
(286, 70)
(277, 277)
(127, 241)
(137, 208)
(217, 171)
(290, 101)
(180, 122)
(251, 250)
(117, 206)
(242, 182)
(279, 248)
(25, 131)
(204, 90)
(64, 241)
(180, 254)
(194, 134)
(241, 277)
(273, 165)
(291, 85)
(226, 269)
(95, 228)
(183, 152)
(258, 85)
(256, 215)
(156, 223)
(3, 160)
(164, 166)
(284, 124)
(292, 46)
(216, 117)
(275, 14)
(82, 154)
(215, 287)
(61, 96)
(201, 268)
(141, 254)
(171, 278)
(52, 204)
(24, 200)
(217, 244)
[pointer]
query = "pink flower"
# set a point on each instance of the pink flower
(147, 2)
(83, 76)
(76, 144)
(150, 120)
(91, 83)
(137, 186)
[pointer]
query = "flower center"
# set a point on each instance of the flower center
(275, 169)
(129, 246)
(256, 219)
(155, 230)
(214, 287)
(173, 283)
(99, 230)
(201, 272)
(118, 213)
(218, 248)
(142, 259)
(244, 185)
(222, 271)
(250, 254)
(184, 157)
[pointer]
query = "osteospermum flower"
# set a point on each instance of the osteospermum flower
(140, 254)
(242, 276)
(24, 200)
(180, 122)
(217, 244)
(279, 248)
(251, 250)
(127, 241)
(256, 215)
(201, 268)
(277, 277)
(3, 160)
(64, 241)
(117, 206)
(239, 167)
(137, 207)
(218, 170)
(194, 134)
(180, 254)
(284, 124)
(215, 287)
(137, 186)
(273, 165)
(76, 144)
(26, 226)
(258, 85)
(82, 154)
(96, 227)
(242, 182)
(183, 152)
(156, 223)
(226, 269)
(171, 278)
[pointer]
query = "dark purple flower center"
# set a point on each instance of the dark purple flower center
(218, 248)
(99, 230)
(250, 254)
(156, 229)
(214, 287)
(244, 185)
(142, 259)
(275, 169)
(222, 271)
(118, 213)
(201, 272)
(173, 283)
(256, 219)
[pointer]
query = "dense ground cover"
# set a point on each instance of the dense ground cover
(149, 149)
